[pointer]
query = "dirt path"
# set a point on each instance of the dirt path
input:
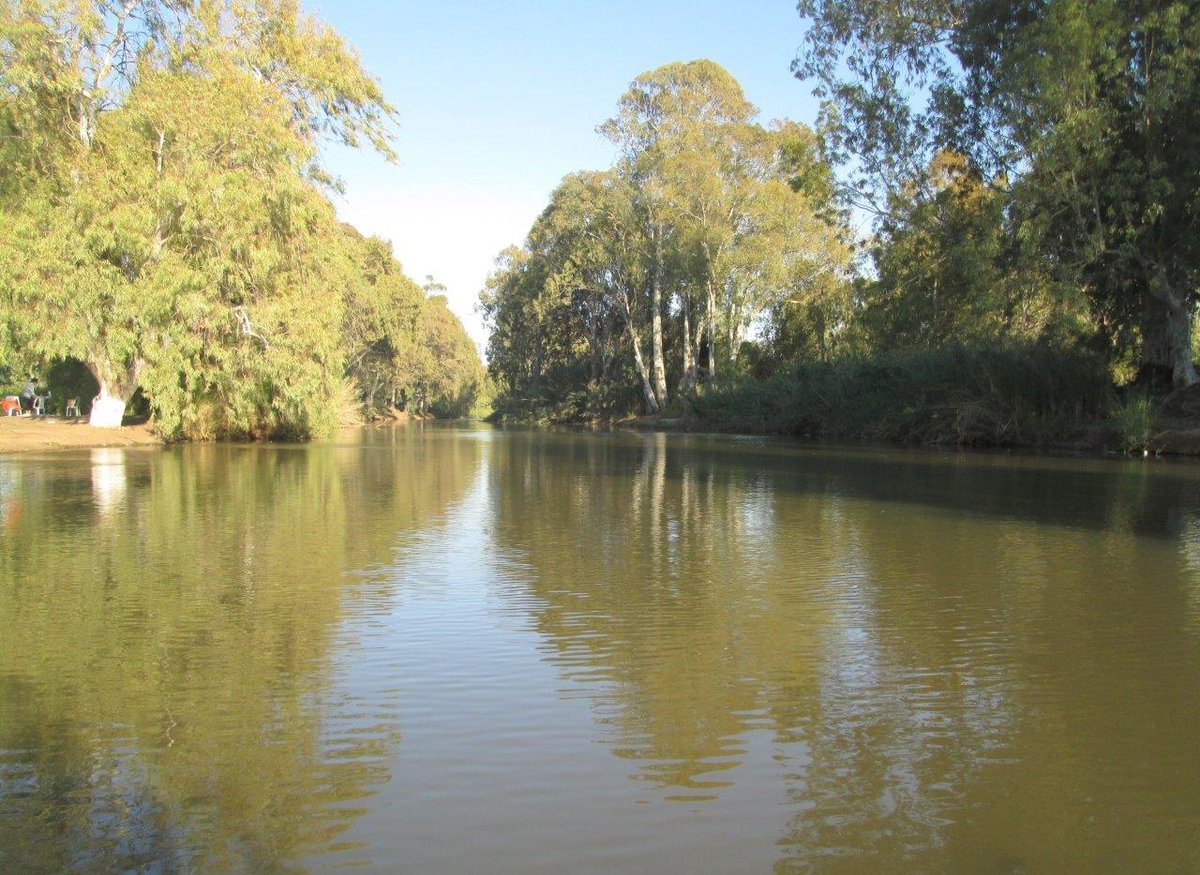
(24, 434)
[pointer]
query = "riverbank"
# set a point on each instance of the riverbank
(27, 434)
(1167, 436)
(1034, 398)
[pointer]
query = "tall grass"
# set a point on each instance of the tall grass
(1005, 396)
(1132, 416)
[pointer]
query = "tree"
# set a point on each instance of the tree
(1086, 110)
(667, 116)
(706, 221)
(160, 214)
(537, 353)
(949, 269)
(591, 238)
(383, 315)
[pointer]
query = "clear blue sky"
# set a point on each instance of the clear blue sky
(499, 100)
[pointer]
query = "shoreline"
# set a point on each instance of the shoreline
(28, 434)
(1172, 438)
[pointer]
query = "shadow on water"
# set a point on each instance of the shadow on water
(172, 635)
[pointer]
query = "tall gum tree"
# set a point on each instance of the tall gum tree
(723, 204)
(705, 225)
(590, 235)
(665, 114)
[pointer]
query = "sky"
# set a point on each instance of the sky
(498, 101)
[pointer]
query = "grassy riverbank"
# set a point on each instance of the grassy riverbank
(1032, 397)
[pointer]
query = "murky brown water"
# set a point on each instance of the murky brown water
(454, 649)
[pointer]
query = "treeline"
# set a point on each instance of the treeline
(639, 283)
(1032, 196)
(165, 221)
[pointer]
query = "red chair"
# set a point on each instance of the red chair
(11, 405)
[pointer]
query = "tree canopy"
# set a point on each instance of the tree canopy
(1079, 117)
(646, 279)
(163, 216)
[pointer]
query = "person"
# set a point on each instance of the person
(27, 393)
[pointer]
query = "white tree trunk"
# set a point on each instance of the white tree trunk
(636, 344)
(1167, 333)
(688, 380)
(107, 411)
(710, 318)
(656, 325)
(116, 388)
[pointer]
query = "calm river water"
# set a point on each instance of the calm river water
(465, 649)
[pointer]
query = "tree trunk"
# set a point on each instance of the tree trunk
(656, 326)
(1167, 335)
(643, 371)
(116, 388)
(688, 380)
(370, 405)
(710, 318)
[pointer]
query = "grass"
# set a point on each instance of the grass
(1004, 396)
(1133, 416)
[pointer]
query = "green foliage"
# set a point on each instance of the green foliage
(162, 217)
(662, 266)
(405, 350)
(1079, 116)
(1001, 396)
(1132, 415)
(948, 269)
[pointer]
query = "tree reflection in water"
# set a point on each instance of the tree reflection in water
(828, 659)
(958, 663)
(170, 630)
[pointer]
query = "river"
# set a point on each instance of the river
(458, 648)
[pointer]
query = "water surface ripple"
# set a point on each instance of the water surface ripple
(459, 648)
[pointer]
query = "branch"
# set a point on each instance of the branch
(243, 320)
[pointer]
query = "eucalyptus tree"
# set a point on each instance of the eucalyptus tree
(1085, 111)
(160, 209)
(532, 342)
(705, 223)
(590, 238)
(666, 124)
(721, 199)
(569, 302)
(768, 234)
(948, 268)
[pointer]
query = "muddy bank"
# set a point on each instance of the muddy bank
(25, 434)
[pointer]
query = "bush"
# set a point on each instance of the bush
(1005, 396)
(1132, 418)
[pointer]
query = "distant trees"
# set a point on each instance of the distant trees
(161, 211)
(646, 279)
(404, 348)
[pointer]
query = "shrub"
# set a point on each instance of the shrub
(1003, 396)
